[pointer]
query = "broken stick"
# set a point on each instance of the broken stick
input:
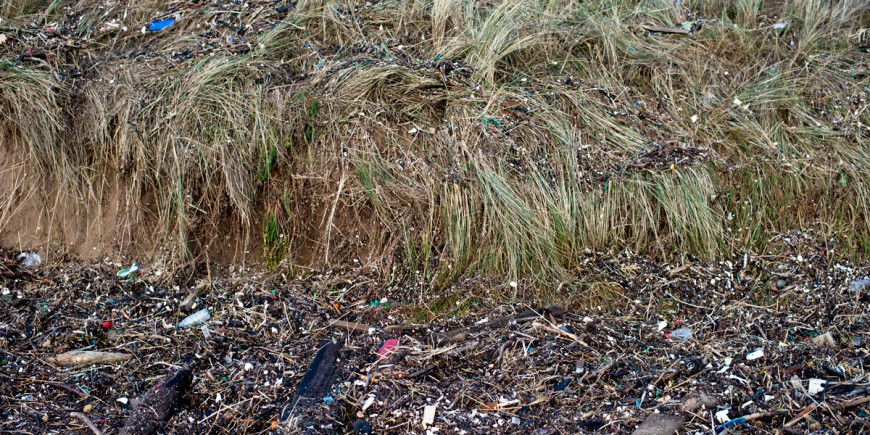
(350, 326)
(539, 325)
(87, 421)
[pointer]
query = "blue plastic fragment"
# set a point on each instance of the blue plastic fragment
(328, 400)
(157, 26)
(730, 423)
(561, 386)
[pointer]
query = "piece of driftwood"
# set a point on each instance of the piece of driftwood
(350, 326)
(854, 402)
(461, 334)
(66, 387)
(159, 404)
(800, 415)
(81, 357)
(187, 303)
(315, 385)
(662, 29)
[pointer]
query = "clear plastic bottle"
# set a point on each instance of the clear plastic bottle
(195, 319)
(29, 259)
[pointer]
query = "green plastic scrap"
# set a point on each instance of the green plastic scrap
(489, 121)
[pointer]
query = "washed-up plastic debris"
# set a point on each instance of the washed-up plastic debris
(157, 26)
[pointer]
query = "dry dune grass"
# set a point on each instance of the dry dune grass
(463, 136)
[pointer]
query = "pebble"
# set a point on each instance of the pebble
(781, 284)
(88, 408)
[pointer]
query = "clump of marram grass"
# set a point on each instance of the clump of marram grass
(30, 118)
(16, 8)
(498, 137)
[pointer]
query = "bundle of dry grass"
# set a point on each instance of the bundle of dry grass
(458, 136)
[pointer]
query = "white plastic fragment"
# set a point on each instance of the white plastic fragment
(694, 118)
(726, 365)
(369, 401)
(662, 325)
(722, 416)
(754, 355)
(248, 366)
(123, 400)
(429, 415)
(816, 386)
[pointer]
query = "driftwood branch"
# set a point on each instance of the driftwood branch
(159, 404)
(313, 387)
(461, 334)
(87, 421)
(81, 357)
